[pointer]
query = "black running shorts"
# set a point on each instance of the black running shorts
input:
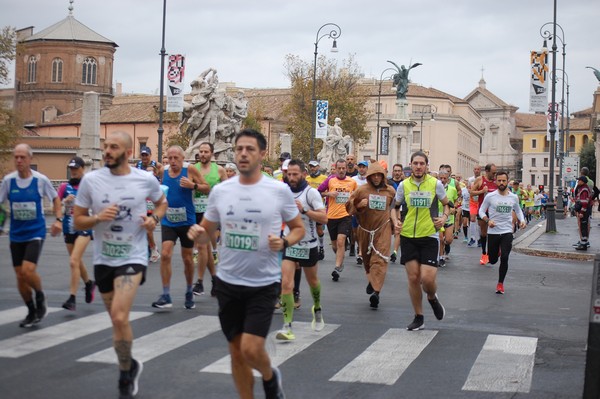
(313, 258)
(173, 233)
(339, 226)
(28, 251)
(425, 250)
(105, 275)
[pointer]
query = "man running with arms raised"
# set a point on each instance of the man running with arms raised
(250, 209)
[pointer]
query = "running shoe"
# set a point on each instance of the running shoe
(484, 259)
(370, 289)
(352, 252)
(297, 301)
(90, 288)
(472, 243)
(155, 256)
(213, 287)
(198, 288)
(500, 288)
(286, 333)
(189, 300)
(29, 320)
(466, 239)
(339, 268)
(438, 309)
(417, 324)
(374, 300)
(393, 257)
(442, 262)
(321, 253)
(128, 387)
(583, 246)
(164, 301)
(317, 324)
(274, 387)
(335, 276)
(359, 260)
(69, 304)
(40, 305)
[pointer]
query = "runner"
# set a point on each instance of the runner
(148, 164)
(397, 177)
(500, 205)
(116, 196)
(351, 169)
(371, 204)
(420, 242)
(76, 241)
(473, 208)
(315, 178)
(447, 232)
(250, 210)
(338, 190)
(483, 184)
(24, 189)
(182, 182)
(304, 254)
(360, 178)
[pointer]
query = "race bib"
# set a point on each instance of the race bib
(200, 204)
(503, 208)
(242, 236)
(298, 251)
(115, 245)
(24, 210)
(149, 205)
(342, 197)
(377, 202)
(176, 215)
(420, 199)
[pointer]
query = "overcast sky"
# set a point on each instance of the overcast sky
(247, 41)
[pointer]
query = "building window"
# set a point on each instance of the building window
(585, 139)
(545, 164)
(533, 180)
(571, 143)
(32, 70)
(88, 76)
(416, 137)
(545, 180)
(533, 143)
(57, 70)
(533, 162)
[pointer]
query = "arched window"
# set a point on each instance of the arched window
(88, 76)
(585, 139)
(571, 143)
(57, 70)
(32, 69)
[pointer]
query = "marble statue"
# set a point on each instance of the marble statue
(401, 79)
(335, 146)
(213, 116)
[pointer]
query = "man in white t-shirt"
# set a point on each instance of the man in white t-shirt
(112, 201)
(250, 209)
(499, 205)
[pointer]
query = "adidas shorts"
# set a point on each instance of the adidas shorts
(105, 275)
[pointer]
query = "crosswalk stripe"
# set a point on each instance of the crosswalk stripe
(47, 337)
(17, 314)
(162, 341)
(386, 359)
(505, 364)
(281, 350)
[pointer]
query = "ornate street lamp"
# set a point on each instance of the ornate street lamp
(161, 110)
(377, 146)
(334, 34)
(564, 135)
(425, 109)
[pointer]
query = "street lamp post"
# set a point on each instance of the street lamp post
(431, 109)
(561, 137)
(560, 211)
(377, 146)
(550, 209)
(161, 110)
(334, 34)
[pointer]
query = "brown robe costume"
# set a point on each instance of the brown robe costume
(374, 233)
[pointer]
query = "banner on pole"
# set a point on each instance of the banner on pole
(385, 140)
(538, 89)
(321, 115)
(175, 77)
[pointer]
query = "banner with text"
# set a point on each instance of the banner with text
(175, 76)
(321, 123)
(538, 90)
(385, 140)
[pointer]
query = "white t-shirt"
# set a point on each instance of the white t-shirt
(360, 180)
(500, 208)
(248, 214)
(121, 241)
(311, 200)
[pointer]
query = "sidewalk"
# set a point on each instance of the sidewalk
(535, 241)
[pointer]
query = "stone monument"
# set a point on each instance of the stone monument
(89, 143)
(285, 142)
(335, 146)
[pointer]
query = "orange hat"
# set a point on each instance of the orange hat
(383, 164)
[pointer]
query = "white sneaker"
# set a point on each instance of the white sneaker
(154, 255)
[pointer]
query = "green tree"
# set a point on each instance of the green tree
(587, 157)
(9, 124)
(340, 86)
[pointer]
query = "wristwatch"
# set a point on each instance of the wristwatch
(59, 219)
(303, 211)
(156, 218)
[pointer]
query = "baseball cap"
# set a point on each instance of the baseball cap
(76, 162)
(285, 164)
(364, 163)
(583, 179)
(146, 150)
(313, 163)
(285, 155)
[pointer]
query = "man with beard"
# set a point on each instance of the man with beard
(116, 196)
(419, 246)
(371, 204)
(182, 181)
(315, 179)
(351, 165)
(25, 189)
(483, 185)
(213, 174)
(303, 254)
(76, 240)
(250, 209)
(337, 190)
(500, 205)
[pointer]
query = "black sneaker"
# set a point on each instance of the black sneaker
(213, 288)
(40, 305)
(335, 276)
(374, 299)
(69, 304)
(29, 320)
(321, 253)
(582, 247)
(352, 252)
(274, 388)
(128, 387)
(417, 324)
(442, 262)
(359, 260)
(90, 287)
(370, 289)
(136, 370)
(198, 288)
(393, 257)
(438, 309)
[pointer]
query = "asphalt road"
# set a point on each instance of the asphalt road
(528, 343)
